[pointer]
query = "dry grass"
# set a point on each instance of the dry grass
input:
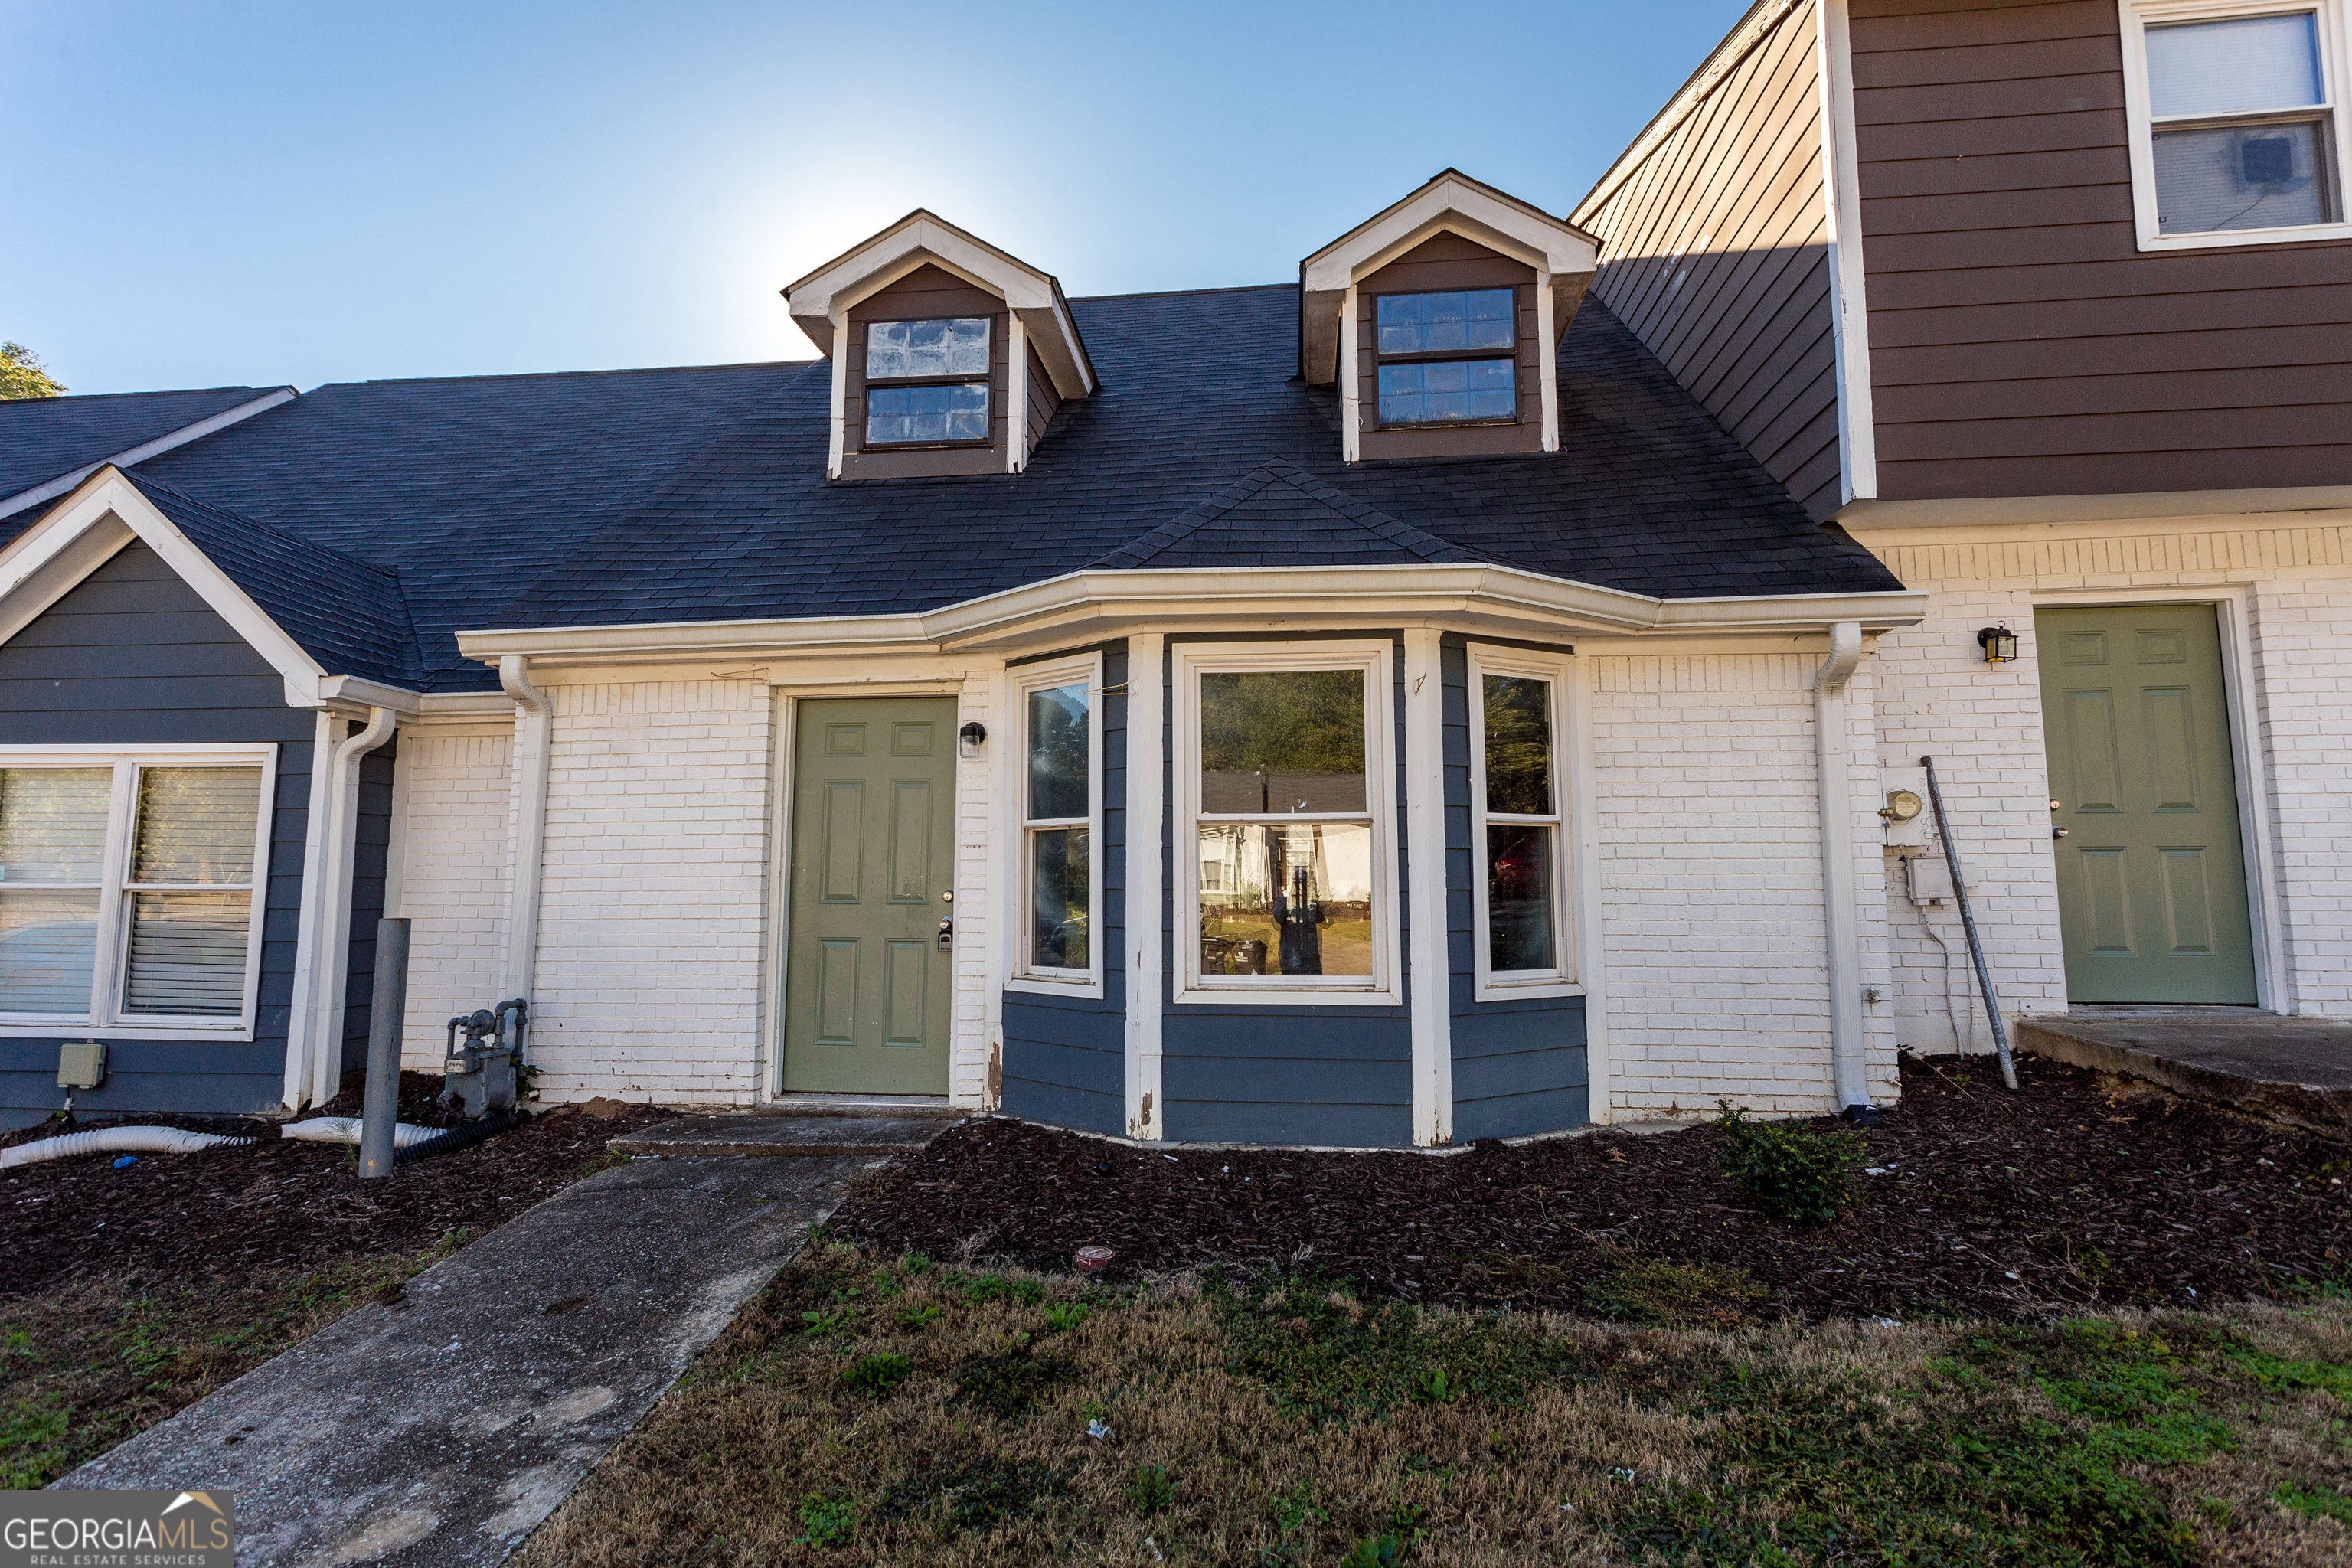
(84, 1367)
(1298, 1424)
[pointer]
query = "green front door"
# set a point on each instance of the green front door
(2151, 875)
(866, 991)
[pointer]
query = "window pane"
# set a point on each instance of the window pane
(1057, 752)
(2233, 67)
(1445, 324)
(2244, 176)
(47, 943)
(53, 824)
(1518, 745)
(195, 825)
(1060, 863)
(187, 954)
(957, 346)
(896, 414)
(1286, 898)
(1281, 742)
(1448, 391)
(1518, 898)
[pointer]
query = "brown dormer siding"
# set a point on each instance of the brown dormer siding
(1043, 399)
(929, 292)
(1446, 262)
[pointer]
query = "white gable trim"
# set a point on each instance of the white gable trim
(145, 450)
(817, 299)
(104, 515)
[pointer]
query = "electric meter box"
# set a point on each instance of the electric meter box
(1918, 830)
(1931, 881)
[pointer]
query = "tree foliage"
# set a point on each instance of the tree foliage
(22, 375)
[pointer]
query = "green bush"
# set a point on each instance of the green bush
(1790, 1171)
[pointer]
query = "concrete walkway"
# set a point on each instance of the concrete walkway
(2294, 1070)
(441, 1429)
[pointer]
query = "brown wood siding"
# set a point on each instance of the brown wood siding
(1716, 253)
(1043, 399)
(1441, 262)
(2021, 343)
(926, 293)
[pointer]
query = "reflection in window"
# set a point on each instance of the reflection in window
(1059, 816)
(1447, 323)
(896, 349)
(2240, 125)
(1282, 744)
(1523, 825)
(1448, 392)
(896, 416)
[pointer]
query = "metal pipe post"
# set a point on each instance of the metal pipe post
(380, 1112)
(1968, 924)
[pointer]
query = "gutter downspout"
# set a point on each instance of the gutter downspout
(534, 730)
(1832, 741)
(330, 957)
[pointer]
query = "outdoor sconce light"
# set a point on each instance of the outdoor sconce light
(972, 736)
(1999, 643)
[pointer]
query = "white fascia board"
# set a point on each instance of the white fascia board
(357, 695)
(1046, 613)
(146, 449)
(2120, 507)
(74, 540)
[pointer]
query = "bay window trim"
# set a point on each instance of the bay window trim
(107, 1018)
(1026, 974)
(1384, 987)
(1563, 979)
(2335, 78)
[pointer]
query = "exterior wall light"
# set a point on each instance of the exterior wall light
(972, 736)
(1999, 643)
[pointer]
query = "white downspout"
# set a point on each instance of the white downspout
(1833, 740)
(330, 959)
(300, 1015)
(534, 729)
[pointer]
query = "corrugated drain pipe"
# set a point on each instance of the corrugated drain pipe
(1833, 743)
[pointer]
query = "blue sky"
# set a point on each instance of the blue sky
(207, 194)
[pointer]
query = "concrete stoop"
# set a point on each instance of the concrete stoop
(871, 1130)
(2297, 1072)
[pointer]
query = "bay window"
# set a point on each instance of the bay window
(1061, 812)
(1519, 824)
(1284, 777)
(128, 888)
(2235, 130)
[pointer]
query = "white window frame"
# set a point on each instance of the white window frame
(1561, 980)
(106, 1019)
(1027, 974)
(1384, 986)
(2335, 74)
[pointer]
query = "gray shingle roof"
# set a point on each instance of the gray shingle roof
(42, 438)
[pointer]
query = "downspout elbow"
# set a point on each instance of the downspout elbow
(1845, 657)
(514, 679)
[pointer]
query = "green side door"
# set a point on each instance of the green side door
(2151, 874)
(866, 989)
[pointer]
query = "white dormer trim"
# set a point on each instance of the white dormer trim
(821, 299)
(1563, 256)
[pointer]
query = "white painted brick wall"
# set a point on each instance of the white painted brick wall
(1983, 724)
(654, 901)
(1714, 931)
(456, 841)
(976, 822)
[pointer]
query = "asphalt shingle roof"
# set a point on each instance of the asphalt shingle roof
(700, 493)
(43, 437)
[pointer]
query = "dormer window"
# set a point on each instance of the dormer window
(927, 382)
(1437, 359)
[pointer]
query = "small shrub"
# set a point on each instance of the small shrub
(1151, 1490)
(878, 1374)
(916, 1319)
(1789, 1170)
(827, 1521)
(1064, 1316)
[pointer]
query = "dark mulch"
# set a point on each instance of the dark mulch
(277, 1204)
(2070, 1191)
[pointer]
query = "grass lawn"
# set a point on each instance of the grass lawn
(883, 1408)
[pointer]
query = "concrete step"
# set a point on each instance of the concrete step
(792, 1133)
(2294, 1070)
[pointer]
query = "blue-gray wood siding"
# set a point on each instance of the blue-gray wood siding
(1065, 1056)
(1518, 1067)
(131, 657)
(370, 860)
(1337, 1075)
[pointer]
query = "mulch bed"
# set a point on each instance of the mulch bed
(279, 1203)
(2075, 1190)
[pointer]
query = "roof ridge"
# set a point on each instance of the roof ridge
(64, 397)
(1194, 518)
